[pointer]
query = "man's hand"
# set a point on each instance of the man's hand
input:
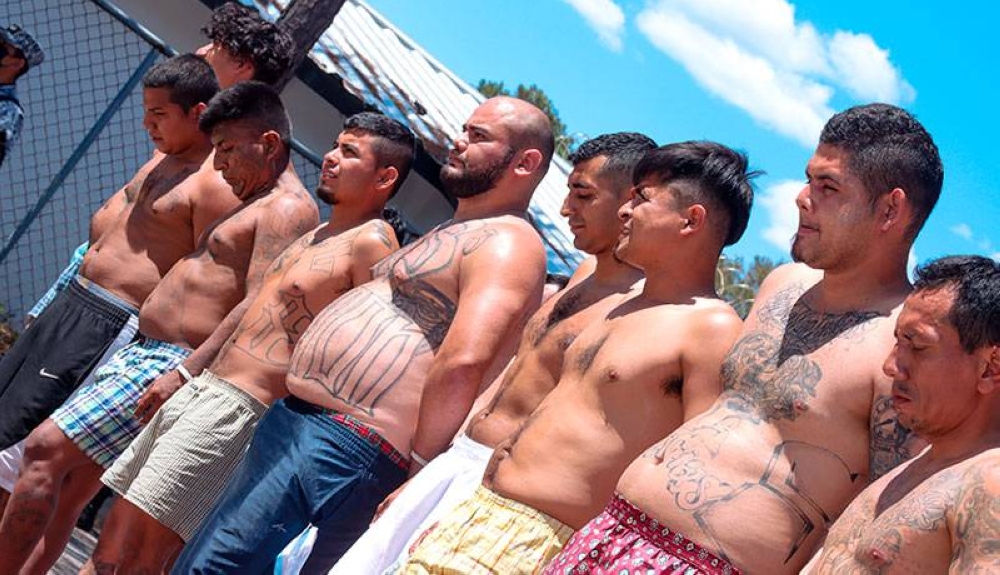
(388, 501)
(161, 390)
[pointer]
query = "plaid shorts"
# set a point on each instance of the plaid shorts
(489, 534)
(99, 418)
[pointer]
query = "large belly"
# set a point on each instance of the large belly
(742, 490)
(363, 357)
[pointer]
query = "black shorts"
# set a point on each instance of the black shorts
(54, 356)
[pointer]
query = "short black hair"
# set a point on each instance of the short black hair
(189, 78)
(621, 150)
(252, 102)
(975, 281)
(706, 173)
(245, 34)
(394, 144)
(888, 148)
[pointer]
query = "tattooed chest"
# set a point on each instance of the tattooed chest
(762, 386)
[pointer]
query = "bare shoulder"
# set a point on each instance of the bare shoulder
(375, 239)
(793, 275)
(508, 239)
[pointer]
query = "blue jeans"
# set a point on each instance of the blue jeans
(302, 467)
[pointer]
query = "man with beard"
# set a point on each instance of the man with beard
(598, 185)
(384, 376)
(648, 364)
(806, 418)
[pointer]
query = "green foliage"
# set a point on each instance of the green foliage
(738, 283)
(565, 143)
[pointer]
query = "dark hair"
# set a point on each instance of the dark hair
(394, 144)
(621, 150)
(975, 280)
(189, 78)
(715, 175)
(254, 103)
(245, 34)
(888, 148)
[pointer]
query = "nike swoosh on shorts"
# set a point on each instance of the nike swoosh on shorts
(44, 373)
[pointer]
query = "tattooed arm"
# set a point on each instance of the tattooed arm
(500, 284)
(975, 525)
(277, 228)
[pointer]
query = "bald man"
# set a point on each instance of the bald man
(383, 377)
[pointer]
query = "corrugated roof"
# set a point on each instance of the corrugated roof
(386, 69)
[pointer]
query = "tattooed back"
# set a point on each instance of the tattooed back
(369, 352)
(147, 226)
(911, 521)
(304, 279)
(760, 477)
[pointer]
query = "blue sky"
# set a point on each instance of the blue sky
(759, 75)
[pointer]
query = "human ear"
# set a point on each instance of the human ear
(891, 208)
(529, 162)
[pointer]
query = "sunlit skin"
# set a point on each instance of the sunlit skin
(938, 513)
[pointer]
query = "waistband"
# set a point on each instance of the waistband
(670, 541)
(151, 344)
(489, 498)
(471, 448)
(95, 292)
(207, 378)
(358, 428)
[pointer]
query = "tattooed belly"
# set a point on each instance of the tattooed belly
(361, 356)
(742, 491)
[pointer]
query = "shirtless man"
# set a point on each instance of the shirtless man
(598, 186)
(649, 364)
(90, 431)
(940, 512)
(806, 419)
(196, 305)
(387, 373)
(136, 236)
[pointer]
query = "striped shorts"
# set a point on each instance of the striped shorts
(99, 417)
(489, 534)
(178, 466)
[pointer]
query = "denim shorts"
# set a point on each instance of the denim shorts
(303, 467)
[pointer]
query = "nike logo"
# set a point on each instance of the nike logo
(44, 373)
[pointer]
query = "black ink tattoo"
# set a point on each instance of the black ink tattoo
(888, 439)
(757, 385)
(430, 309)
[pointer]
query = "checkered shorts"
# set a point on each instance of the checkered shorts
(99, 418)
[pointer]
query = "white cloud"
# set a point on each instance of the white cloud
(911, 263)
(778, 201)
(995, 256)
(756, 56)
(962, 230)
(605, 17)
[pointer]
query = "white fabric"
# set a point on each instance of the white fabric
(448, 480)
(10, 465)
(10, 458)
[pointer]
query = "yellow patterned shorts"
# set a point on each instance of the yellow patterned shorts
(489, 534)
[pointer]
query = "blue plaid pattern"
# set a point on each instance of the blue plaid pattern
(99, 418)
(65, 277)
